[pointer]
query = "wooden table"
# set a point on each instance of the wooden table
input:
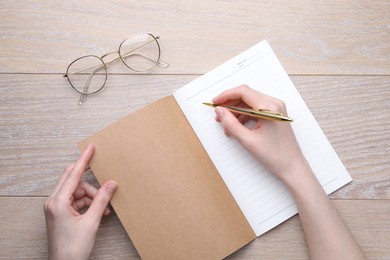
(336, 52)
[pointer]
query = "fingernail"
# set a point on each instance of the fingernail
(111, 187)
(219, 112)
(89, 148)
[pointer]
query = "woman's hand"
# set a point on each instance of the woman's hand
(71, 235)
(273, 143)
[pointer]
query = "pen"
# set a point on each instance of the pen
(260, 113)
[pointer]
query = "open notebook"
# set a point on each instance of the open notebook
(188, 191)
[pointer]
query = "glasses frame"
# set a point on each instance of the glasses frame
(104, 64)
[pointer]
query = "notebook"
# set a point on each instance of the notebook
(188, 191)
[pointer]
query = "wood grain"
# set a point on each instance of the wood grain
(309, 37)
(23, 233)
(354, 114)
(41, 122)
(337, 52)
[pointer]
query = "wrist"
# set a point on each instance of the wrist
(304, 185)
(298, 174)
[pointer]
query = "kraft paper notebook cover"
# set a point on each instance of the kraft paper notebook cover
(186, 191)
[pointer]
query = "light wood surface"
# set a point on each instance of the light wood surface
(337, 53)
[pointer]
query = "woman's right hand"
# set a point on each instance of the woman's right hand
(273, 143)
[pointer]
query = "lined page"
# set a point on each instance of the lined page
(261, 196)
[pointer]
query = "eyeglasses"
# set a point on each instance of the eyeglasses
(88, 74)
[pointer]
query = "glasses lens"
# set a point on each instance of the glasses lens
(140, 52)
(87, 74)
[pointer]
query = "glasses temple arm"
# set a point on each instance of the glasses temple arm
(158, 62)
(83, 96)
(129, 53)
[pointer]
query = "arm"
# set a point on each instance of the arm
(71, 235)
(326, 234)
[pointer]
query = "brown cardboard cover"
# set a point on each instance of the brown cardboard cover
(170, 198)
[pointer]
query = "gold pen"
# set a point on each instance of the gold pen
(260, 113)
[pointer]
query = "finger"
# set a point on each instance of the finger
(231, 124)
(85, 189)
(250, 97)
(237, 94)
(73, 177)
(107, 211)
(61, 179)
(243, 119)
(85, 202)
(100, 201)
(81, 203)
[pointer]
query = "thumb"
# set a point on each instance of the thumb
(231, 124)
(101, 200)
